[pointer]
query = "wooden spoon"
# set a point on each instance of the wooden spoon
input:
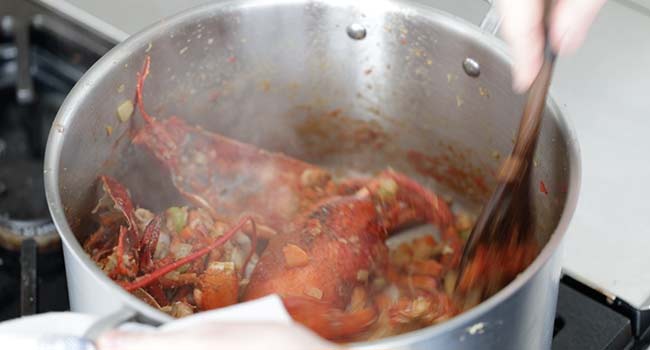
(505, 225)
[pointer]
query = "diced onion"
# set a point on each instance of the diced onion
(162, 247)
(314, 292)
(180, 250)
(125, 110)
(177, 218)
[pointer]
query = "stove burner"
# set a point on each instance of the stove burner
(23, 208)
(23, 197)
(24, 127)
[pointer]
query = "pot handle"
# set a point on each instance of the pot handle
(109, 321)
(19, 334)
(492, 19)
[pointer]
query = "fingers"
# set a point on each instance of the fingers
(244, 336)
(522, 29)
(570, 22)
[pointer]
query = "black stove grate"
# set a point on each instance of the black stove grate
(44, 287)
(42, 55)
(584, 323)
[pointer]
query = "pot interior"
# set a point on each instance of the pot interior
(288, 77)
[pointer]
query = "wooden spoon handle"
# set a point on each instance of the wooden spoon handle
(496, 218)
(532, 116)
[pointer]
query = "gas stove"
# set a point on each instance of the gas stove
(42, 54)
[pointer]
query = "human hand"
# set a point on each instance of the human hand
(211, 336)
(523, 29)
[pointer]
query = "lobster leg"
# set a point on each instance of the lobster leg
(128, 238)
(121, 199)
(148, 243)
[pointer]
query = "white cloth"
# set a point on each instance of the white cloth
(64, 330)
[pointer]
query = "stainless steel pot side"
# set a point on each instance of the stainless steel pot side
(343, 85)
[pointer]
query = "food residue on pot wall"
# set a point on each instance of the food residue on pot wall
(453, 169)
(335, 132)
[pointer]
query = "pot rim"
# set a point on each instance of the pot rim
(80, 92)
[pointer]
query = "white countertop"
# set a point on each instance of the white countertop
(604, 89)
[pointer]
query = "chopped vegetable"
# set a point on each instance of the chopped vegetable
(542, 187)
(362, 276)
(314, 177)
(357, 300)
(459, 101)
(218, 229)
(181, 250)
(463, 222)
(125, 110)
(426, 267)
(181, 309)
(484, 92)
(143, 217)
(314, 292)
(294, 256)
(266, 85)
(401, 256)
(464, 234)
(378, 283)
(110, 263)
(162, 247)
(450, 282)
(177, 216)
(221, 266)
(421, 282)
(387, 189)
(423, 247)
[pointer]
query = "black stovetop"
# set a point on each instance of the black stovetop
(42, 56)
(57, 51)
(50, 285)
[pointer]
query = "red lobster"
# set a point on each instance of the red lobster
(326, 240)
(338, 245)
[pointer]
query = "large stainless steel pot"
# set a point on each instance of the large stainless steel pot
(301, 77)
